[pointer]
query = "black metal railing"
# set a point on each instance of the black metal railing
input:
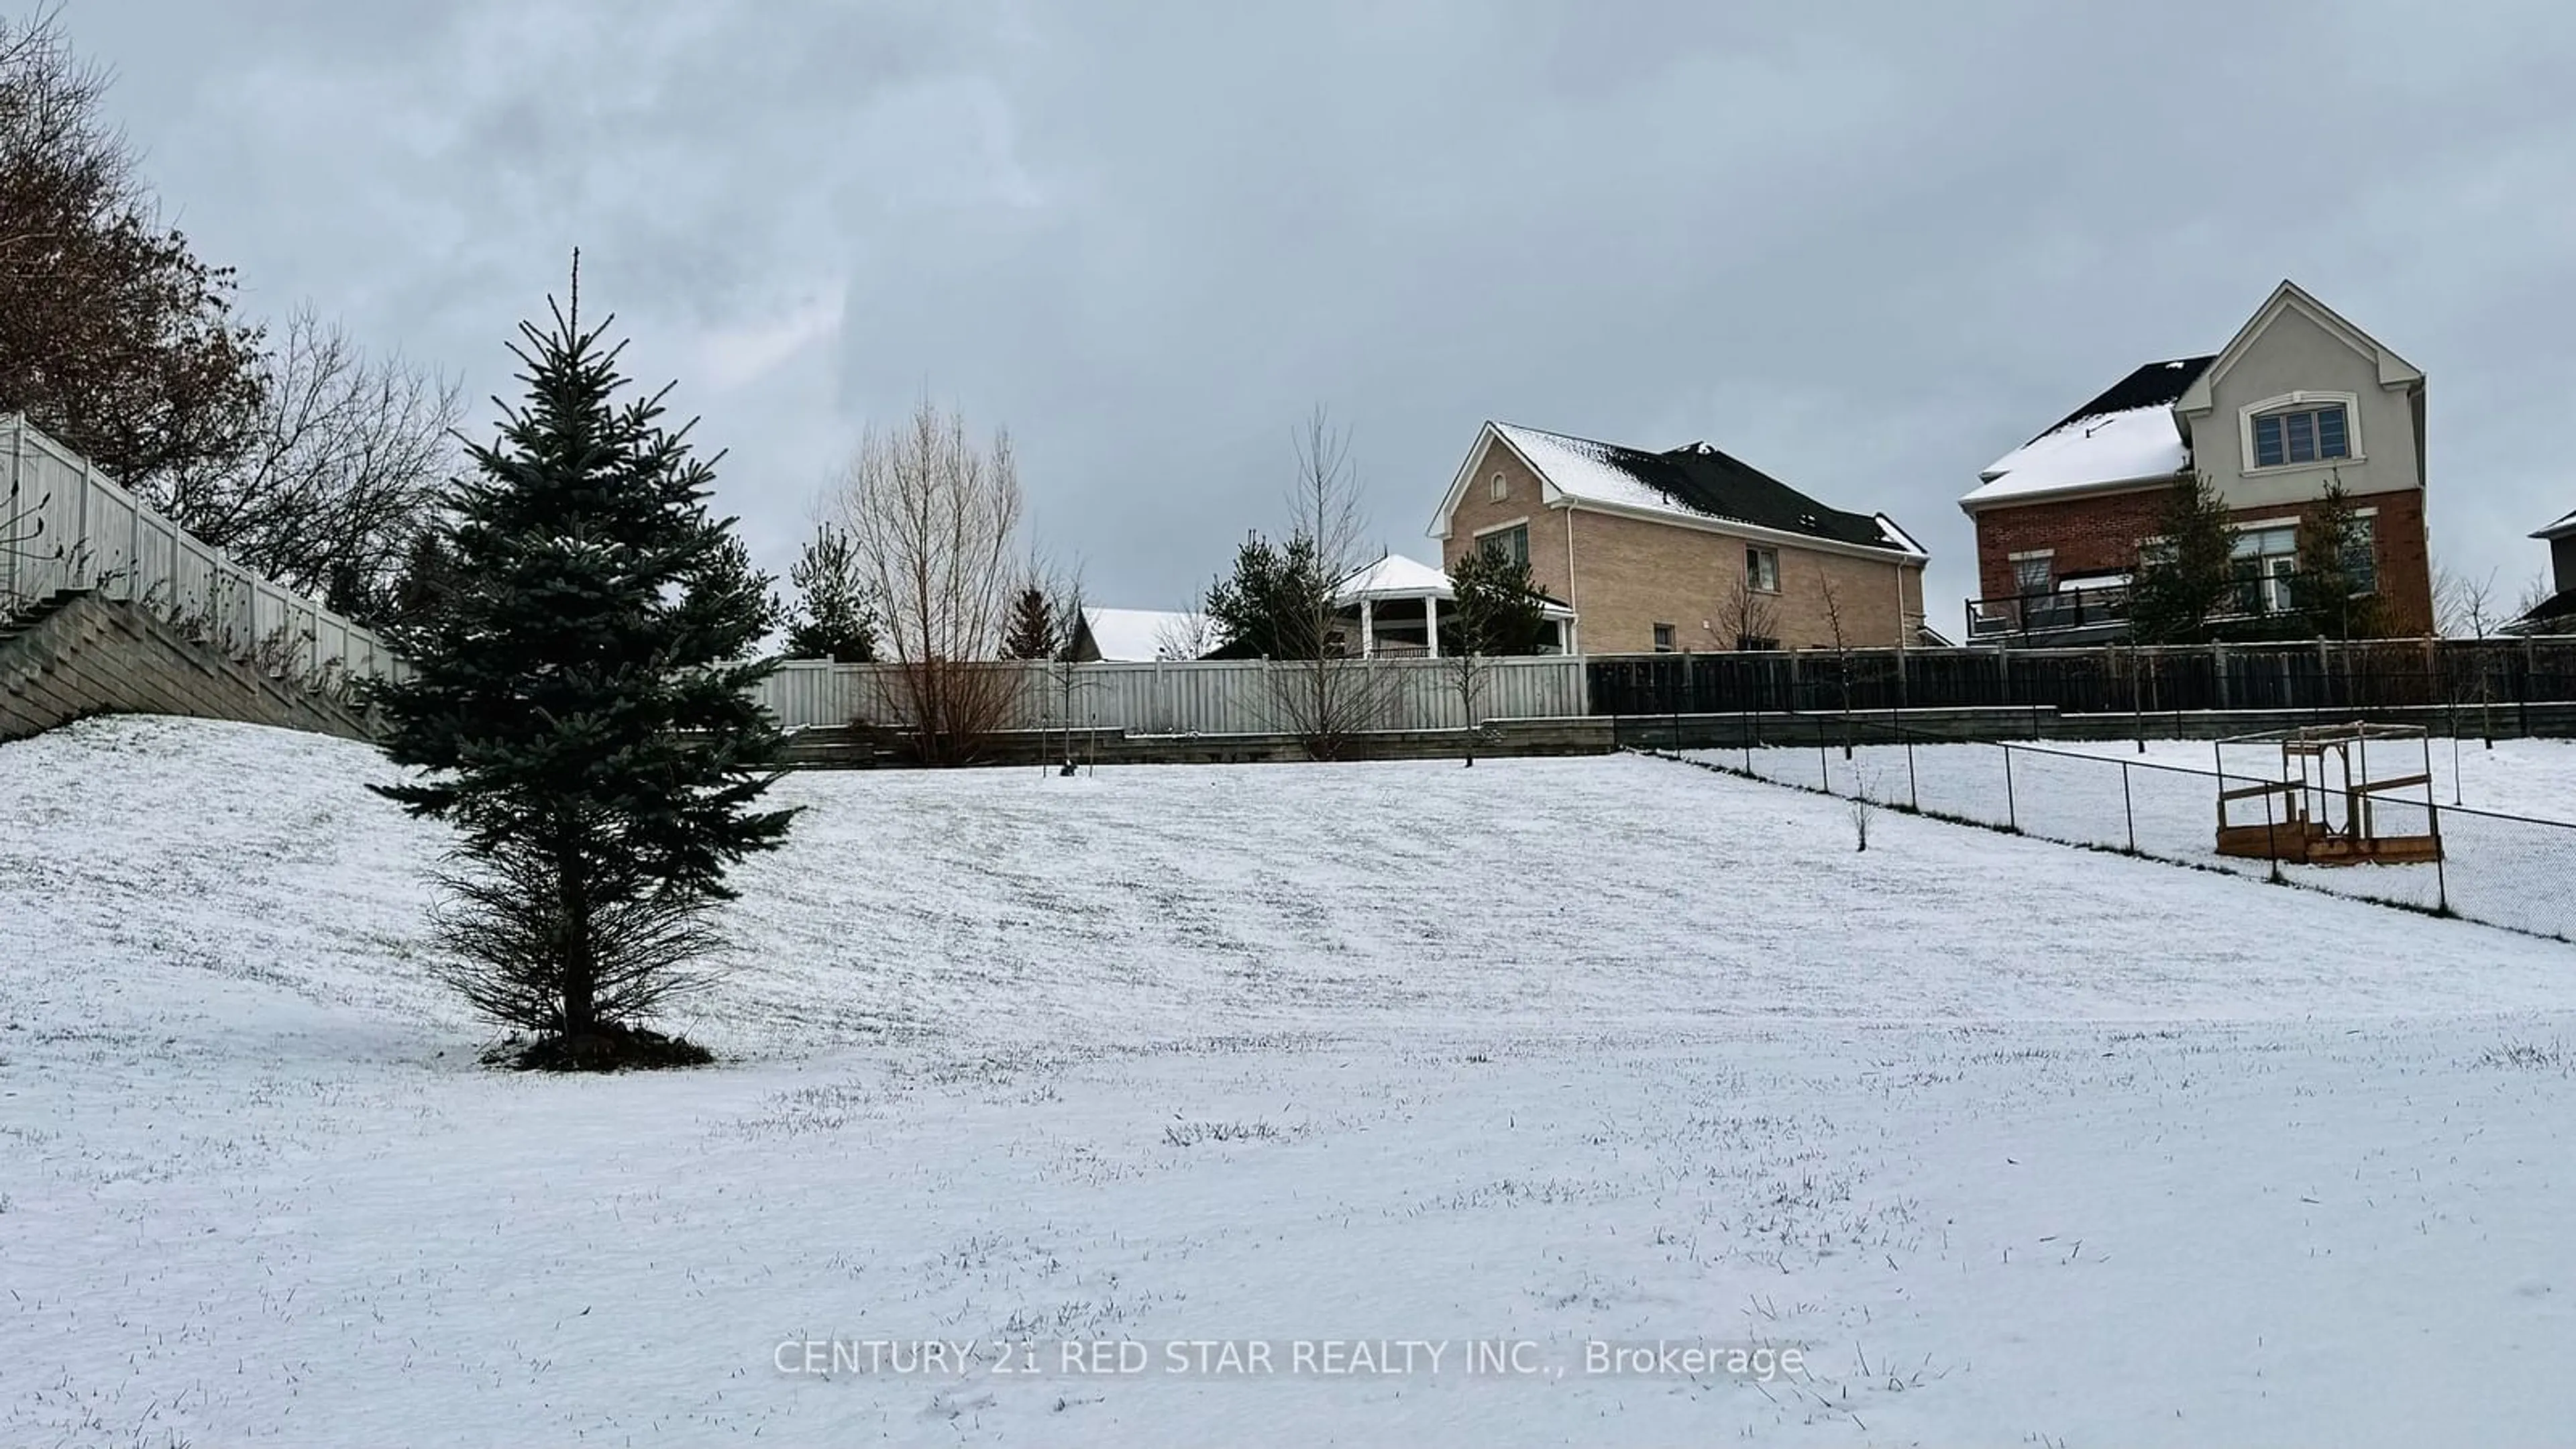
(2255, 606)
(2048, 612)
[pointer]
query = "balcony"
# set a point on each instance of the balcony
(2060, 611)
(2261, 601)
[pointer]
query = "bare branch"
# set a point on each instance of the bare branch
(345, 461)
(1327, 693)
(935, 525)
(1190, 634)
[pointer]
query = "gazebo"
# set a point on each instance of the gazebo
(1396, 604)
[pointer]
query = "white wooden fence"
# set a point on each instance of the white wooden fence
(64, 526)
(1208, 696)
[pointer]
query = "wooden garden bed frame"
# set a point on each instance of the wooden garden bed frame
(2296, 820)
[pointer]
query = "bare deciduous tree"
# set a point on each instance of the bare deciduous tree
(2465, 608)
(1747, 618)
(1189, 634)
(1066, 691)
(114, 336)
(935, 523)
(1327, 693)
(2535, 592)
(1863, 804)
(340, 469)
(304, 459)
(1841, 642)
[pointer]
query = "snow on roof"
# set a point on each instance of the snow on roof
(2563, 525)
(2117, 448)
(1138, 635)
(1394, 575)
(1584, 469)
(1398, 577)
(1696, 481)
(2127, 434)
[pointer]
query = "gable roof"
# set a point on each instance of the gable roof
(2394, 371)
(2126, 434)
(1695, 483)
(2133, 433)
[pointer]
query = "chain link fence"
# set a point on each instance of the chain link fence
(2497, 867)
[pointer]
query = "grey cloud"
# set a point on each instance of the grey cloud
(1869, 247)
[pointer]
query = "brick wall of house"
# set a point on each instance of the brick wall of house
(2102, 530)
(1626, 575)
(2405, 560)
(1479, 509)
(1632, 575)
(2097, 531)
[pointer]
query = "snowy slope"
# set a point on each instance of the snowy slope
(1549, 1051)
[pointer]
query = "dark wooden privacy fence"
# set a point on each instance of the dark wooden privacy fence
(2112, 679)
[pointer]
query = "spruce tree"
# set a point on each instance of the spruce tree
(1270, 605)
(2186, 578)
(2334, 595)
(834, 619)
(580, 705)
(1499, 610)
(1030, 632)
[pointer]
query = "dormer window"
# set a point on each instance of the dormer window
(2305, 435)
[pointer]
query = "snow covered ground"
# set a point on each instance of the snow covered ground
(1540, 1055)
(2499, 870)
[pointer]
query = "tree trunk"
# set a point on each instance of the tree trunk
(580, 975)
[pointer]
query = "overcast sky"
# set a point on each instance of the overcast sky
(1866, 247)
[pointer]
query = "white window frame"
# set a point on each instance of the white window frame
(1499, 488)
(2295, 402)
(1751, 580)
(2014, 561)
(1667, 638)
(2272, 570)
(1477, 538)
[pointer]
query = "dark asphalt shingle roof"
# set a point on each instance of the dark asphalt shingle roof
(1702, 479)
(2155, 384)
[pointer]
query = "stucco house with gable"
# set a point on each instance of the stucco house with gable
(2300, 396)
(1683, 550)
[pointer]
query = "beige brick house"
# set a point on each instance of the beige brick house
(2298, 397)
(1688, 549)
